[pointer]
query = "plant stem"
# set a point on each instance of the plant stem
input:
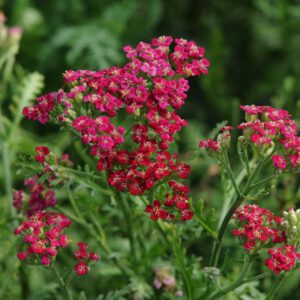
(227, 166)
(180, 262)
(97, 234)
(240, 198)
(247, 266)
(263, 182)
(74, 204)
(206, 227)
(255, 278)
(127, 217)
(276, 285)
(62, 283)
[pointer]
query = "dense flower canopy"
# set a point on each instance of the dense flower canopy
(150, 88)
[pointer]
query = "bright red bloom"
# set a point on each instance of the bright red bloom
(279, 162)
(84, 258)
(42, 232)
(81, 268)
(282, 258)
(41, 153)
(156, 212)
(257, 227)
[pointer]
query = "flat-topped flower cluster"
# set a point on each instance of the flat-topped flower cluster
(266, 129)
(43, 231)
(259, 229)
(149, 89)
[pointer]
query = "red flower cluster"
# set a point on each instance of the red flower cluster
(150, 87)
(40, 197)
(40, 112)
(258, 227)
(282, 258)
(41, 153)
(222, 143)
(84, 259)
(267, 126)
(43, 232)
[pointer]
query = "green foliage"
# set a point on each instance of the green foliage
(90, 46)
(117, 295)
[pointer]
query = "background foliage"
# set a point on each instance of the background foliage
(254, 49)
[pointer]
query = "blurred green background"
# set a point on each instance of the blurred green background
(253, 46)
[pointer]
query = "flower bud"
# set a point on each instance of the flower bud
(291, 225)
(15, 34)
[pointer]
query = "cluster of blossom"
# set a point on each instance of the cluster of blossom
(177, 198)
(260, 229)
(39, 196)
(84, 259)
(282, 258)
(265, 128)
(150, 87)
(99, 133)
(43, 232)
(163, 280)
(221, 144)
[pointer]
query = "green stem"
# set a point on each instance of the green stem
(62, 283)
(74, 204)
(127, 217)
(247, 266)
(240, 198)
(255, 278)
(180, 262)
(206, 227)
(263, 182)
(276, 285)
(227, 166)
(95, 232)
(6, 169)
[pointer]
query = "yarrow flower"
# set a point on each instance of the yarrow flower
(84, 259)
(266, 128)
(37, 194)
(282, 258)
(258, 228)
(41, 153)
(221, 144)
(39, 198)
(44, 234)
(42, 230)
(149, 89)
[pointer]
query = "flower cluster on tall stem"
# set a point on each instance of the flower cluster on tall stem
(150, 88)
(43, 230)
(258, 229)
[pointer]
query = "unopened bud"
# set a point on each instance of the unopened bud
(15, 33)
(293, 217)
(241, 139)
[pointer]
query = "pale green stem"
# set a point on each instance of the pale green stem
(180, 261)
(62, 283)
(241, 280)
(276, 285)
